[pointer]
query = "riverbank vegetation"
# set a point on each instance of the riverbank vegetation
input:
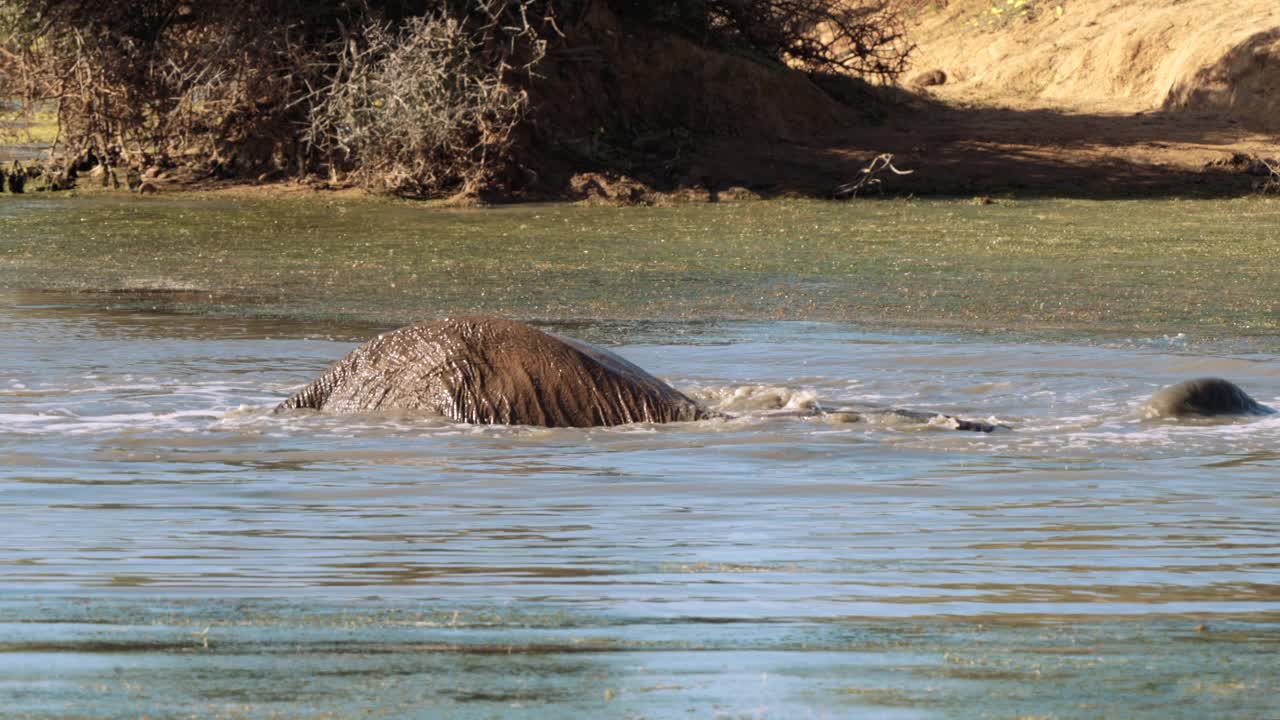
(430, 98)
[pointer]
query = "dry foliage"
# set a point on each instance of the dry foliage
(866, 38)
(411, 96)
(860, 37)
(427, 108)
(208, 83)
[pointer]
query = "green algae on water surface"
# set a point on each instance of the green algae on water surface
(1144, 266)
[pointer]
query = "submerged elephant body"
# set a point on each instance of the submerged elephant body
(487, 370)
(1203, 397)
(490, 371)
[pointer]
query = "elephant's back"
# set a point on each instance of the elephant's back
(488, 370)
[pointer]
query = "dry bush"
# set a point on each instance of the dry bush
(215, 82)
(418, 97)
(16, 76)
(866, 38)
(426, 108)
(242, 87)
(860, 37)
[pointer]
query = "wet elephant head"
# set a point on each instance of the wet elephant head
(487, 370)
(1204, 397)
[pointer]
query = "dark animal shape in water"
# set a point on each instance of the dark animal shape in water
(922, 417)
(1203, 397)
(486, 370)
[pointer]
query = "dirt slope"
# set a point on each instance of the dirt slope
(1103, 99)
(1109, 55)
(1088, 98)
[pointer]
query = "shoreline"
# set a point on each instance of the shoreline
(951, 150)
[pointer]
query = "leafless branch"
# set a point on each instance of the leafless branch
(870, 177)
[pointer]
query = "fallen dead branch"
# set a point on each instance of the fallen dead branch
(870, 177)
(1271, 182)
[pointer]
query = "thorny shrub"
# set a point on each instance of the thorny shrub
(422, 109)
(411, 96)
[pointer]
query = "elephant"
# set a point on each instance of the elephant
(487, 370)
(1203, 397)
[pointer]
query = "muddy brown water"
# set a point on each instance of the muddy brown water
(172, 549)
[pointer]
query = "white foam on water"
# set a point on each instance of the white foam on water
(741, 399)
(147, 406)
(1128, 434)
(108, 424)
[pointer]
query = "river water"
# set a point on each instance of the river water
(173, 549)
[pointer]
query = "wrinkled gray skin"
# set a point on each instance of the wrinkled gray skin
(486, 370)
(1203, 397)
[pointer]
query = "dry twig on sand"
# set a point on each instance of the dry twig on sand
(1270, 183)
(870, 177)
